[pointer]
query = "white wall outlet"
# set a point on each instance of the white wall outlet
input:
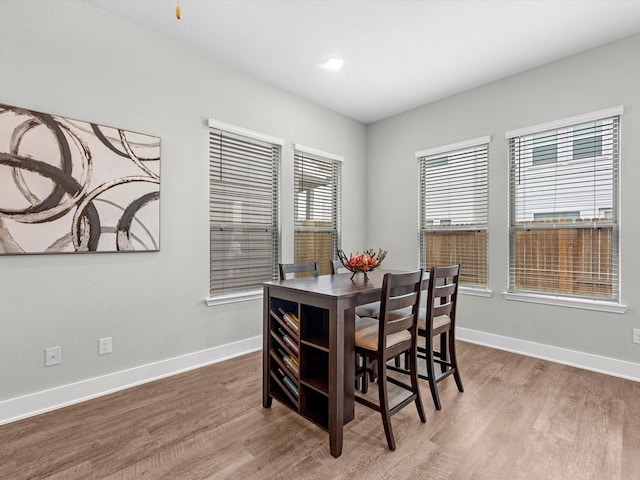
(52, 356)
(104, 346)
(636, 335)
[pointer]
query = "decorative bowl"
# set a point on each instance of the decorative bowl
(364, 262)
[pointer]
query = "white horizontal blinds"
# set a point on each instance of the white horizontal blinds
(316, 209)
(564, 213)
(453, 210)
(243, 212)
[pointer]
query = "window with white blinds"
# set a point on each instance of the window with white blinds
(453, 208)
(563, 207)
(243, 209)
(316, 207)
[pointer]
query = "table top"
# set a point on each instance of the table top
(339, 285)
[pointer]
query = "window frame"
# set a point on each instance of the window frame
(249, 293)
(565, 299)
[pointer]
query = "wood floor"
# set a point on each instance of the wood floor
(519, 418)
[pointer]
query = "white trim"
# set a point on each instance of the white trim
(453, 146)
(475, 291)
(583, 303)
(574, 358)
(565, 122)
(317, 152)
(36, 403)
(233, 298)
(228, 127)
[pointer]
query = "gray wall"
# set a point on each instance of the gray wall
(598, 79)
(74, 60)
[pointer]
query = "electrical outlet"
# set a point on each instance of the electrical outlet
(636, 335)
(52, 356)
(104, 346)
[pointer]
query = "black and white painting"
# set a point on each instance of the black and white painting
(72, 186)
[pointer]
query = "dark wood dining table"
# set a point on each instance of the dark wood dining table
(335, 297)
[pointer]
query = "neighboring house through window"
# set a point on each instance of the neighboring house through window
(564, 212)
(453, 208)
(316, 206)
(244, 179)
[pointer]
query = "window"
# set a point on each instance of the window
(579, 141)
(564, 212)
(316, 206)
(453, 208)
(587, 140)
(243, 209)
(544, 148)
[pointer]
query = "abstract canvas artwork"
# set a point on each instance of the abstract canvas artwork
(72, 186)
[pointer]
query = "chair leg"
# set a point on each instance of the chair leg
(415, 386)
(365, 375)
(431, 373)
(358, 379)
(454, 361)
(384, 405)
(443, 351)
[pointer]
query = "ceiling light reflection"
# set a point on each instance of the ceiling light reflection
(334, 64)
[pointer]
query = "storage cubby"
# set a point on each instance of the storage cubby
(278, 309)
(307, 349)
(315, 325)
(315, 406)
(314, 368)
(279, 391)
(276, 304)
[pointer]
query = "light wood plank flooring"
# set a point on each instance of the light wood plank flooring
(519, 418)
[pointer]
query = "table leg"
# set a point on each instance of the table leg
(266, 395)
(336, 379)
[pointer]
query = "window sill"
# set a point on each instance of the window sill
(475, 291)
(234, 298)
(586, 304)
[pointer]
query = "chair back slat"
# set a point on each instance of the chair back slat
(294, 269)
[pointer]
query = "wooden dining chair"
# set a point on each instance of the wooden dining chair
(294, 270)
(438, 319)
(393, 334)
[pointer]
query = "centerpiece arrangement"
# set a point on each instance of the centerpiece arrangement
(364, 262)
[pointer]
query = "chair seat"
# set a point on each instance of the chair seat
(438, 322)
(367, 334)
(369, 310)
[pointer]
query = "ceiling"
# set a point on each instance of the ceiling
(397, 54)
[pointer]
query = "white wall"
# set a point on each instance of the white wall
(72, 59)
(598, 79)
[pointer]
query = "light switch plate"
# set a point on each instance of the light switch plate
(52, 356)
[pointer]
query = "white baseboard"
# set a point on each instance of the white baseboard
(40, 402)
(586, 361)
